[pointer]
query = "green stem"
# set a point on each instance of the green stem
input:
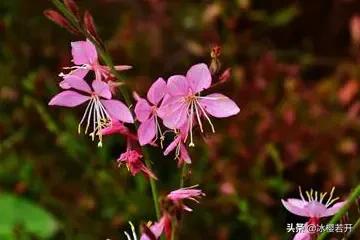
(105, 56)
(176, 223)
(351, 199)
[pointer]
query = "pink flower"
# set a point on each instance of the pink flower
(181, 152)
(132, 160)
(85, 58)
(185, 104)
(313, 208)
(146, 113)
(156, 229)
(100, 109)
(185, 193)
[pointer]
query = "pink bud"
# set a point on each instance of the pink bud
(72, 6)
(90, 25)
(59, 20)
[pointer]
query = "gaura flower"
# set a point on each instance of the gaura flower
(314, 208)
(191, 193)
(149, 130)
(185, 104)
(131, 158)
(85, 58)
(100, 108)
(181, 153)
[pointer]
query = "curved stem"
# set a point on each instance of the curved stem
(105, 56)
(351, 199)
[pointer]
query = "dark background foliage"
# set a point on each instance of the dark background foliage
(295, 75)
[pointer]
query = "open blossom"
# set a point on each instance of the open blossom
(131, 158)
(181, 194)
(146, 112)
(185, 104)
(181, 153)
(313, 208)
(85, 58)
(100, 110)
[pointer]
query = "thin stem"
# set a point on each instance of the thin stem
(351, 199)
(181, 185)
(182, 175)
(105, 56)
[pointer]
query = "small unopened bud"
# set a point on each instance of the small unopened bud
(90, 25)
(59, 20)
(72, 7)
(215, 51)
(225, 75)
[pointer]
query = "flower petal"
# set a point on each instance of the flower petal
(334, 209)
(219, 105)
(199, 77)
(68, 99)
(102, 89)
(79, 72)
(184, 154)
(177, 85)
(77, 83)
(176, 117)
(302, 236)
(172, 146)
(83, 52)
(142, 110)
(294, 209)
(118, 110)
(297, 202)
(157, 91)
(146, 131)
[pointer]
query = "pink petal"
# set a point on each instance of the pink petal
(184, 154)
(334, 209)
(172, 146)
(77, 83)
(219, 105)
(147, 131)
(142, 110)
(297, 202)
(177, 85)
(294, 209)
(174, 113)
(199, 77)
(102, 89)
(68, 99)
(315, 209)
(83, 52)
(79, 72)
(157, 91)
(157, 229)
(302, 236)
(118, 110)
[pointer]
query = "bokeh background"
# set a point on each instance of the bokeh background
(295, 75)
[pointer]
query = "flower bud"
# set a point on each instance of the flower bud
(72, 7)
(59, 20)
(90, 25)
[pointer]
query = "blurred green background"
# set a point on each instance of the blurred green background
(295, 75)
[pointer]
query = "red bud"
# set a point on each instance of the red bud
(90, 25)
(59, 20)
(225, 75)
(73, 7)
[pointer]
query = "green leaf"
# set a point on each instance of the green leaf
(32, 218)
